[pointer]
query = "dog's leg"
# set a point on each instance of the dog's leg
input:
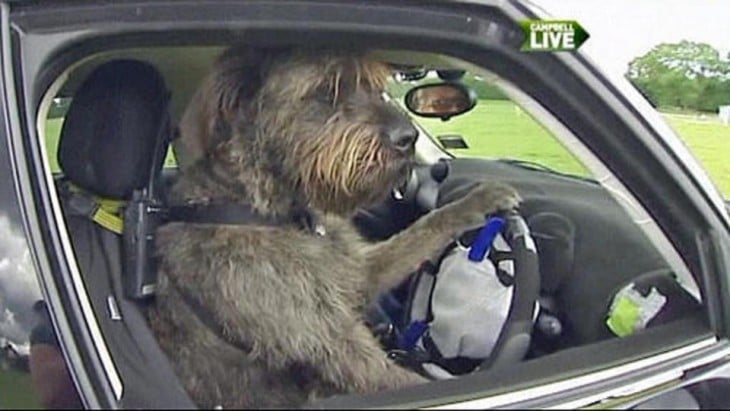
(282, 310)
(389, 261)
(335, 343)
(357, 363)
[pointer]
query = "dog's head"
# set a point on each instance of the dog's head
(316, 120)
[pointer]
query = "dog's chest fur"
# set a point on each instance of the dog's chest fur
(284, 268)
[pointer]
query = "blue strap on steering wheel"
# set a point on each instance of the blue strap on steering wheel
(485, 237)
(407, 341)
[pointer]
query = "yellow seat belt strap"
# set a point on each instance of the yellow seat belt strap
(103, 211)
(108, 218)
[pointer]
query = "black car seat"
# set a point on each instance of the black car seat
(107, 154)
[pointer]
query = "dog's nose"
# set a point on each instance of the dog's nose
(403, 137)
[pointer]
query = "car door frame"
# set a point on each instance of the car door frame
(706, 239)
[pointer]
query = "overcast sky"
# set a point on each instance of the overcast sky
(623, 29)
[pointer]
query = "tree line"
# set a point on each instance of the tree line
(682, 76)
(672, 76)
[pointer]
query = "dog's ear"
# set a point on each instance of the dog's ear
(223, 96)
(230, 87)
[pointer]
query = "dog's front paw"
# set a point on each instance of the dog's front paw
(484, 199)
(490, 197)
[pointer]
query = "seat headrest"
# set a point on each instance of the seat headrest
(110, 131)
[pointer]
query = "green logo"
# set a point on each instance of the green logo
(552, 35)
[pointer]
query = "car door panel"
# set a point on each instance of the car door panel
(33, 371)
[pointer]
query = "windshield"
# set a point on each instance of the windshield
(495, 128)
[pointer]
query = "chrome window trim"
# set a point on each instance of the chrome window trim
(569, 384)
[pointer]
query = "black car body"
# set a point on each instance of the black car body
(634, 156)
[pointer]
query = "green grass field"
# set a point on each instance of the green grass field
(21, 396)
(709, 141)
(496, 128)
(53, 130)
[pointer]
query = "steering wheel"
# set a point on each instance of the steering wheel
(430, 189)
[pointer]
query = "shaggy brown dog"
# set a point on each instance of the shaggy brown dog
(270, 315)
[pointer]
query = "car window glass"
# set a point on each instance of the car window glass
(495, 128)
(708, 137)
(601, 279)
(498, 129)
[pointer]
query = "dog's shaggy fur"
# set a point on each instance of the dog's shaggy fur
(270, 316)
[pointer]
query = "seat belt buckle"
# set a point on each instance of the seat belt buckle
(141, 219)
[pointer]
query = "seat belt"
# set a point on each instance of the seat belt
(239, 214)
(103, 211)
(111, 215)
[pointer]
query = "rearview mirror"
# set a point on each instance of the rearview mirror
(443, 100)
